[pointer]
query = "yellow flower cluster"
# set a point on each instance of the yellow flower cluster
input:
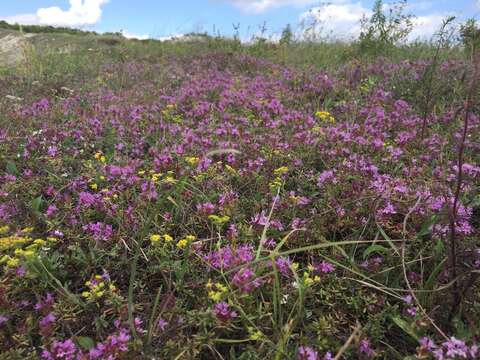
(4, 229)
(308, 278)
(254, 334)
(100, 157)
(98, 288)
(219, 220)
(281, 170)
(156, 177)
(325, 116)
(216, 291)
(156, 238)
(24, 247)
(275, 184)
(169, 111)
(192, 160)
(182, 244)
(170, 179)
(231, 170)
(14, 241)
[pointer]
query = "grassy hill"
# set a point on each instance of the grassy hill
(208, 199)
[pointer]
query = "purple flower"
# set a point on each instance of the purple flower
(52, 151)
(283, 265)
(328, 356)
(65, 350)
(455, 347)
(245, 280)
(324, 267)
(206, 208)
(48, 320)
(86, 199)
(324, 177)
(99, 231)
(260, 219)
(427, 344)
(365, 349)
(411, 311)
(162, 324)
(307, 353)
(3, 320)
(223, 312)
(227, 257)
(52, 209)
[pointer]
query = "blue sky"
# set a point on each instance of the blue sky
(163, 18)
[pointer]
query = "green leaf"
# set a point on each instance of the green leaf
(375, 248)
(427, 226)
(37, 204)
(85, 342)
(387, 238)
(475, 202)
(406, 327)
(12, 168)
(429, 284)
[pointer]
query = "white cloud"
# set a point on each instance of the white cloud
(340, 21)
(25, 19)
(424, 27)
(128, 35)
(258, 6)
(81, 13)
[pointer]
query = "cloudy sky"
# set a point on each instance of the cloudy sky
(164, 18)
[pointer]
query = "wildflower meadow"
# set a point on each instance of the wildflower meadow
(209, 201)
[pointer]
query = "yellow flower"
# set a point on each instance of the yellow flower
(220, 287)
(192, 160)
(325, 116)
(281, 170)
(27, 230)
(256, 335)
(97, 155)
(156, 177)
(103, 159)
(169, 180)
(141, 172)
(155, 238)
(167, 238)
(190, 238)
(13, 262)
(231, 169)
(215, 295)
(182, 244)
(4, 229)
(93, 186)
(219, 220)
(275, 184)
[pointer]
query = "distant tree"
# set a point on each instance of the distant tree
(388, 26)
(287, 35)
(470, 36)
